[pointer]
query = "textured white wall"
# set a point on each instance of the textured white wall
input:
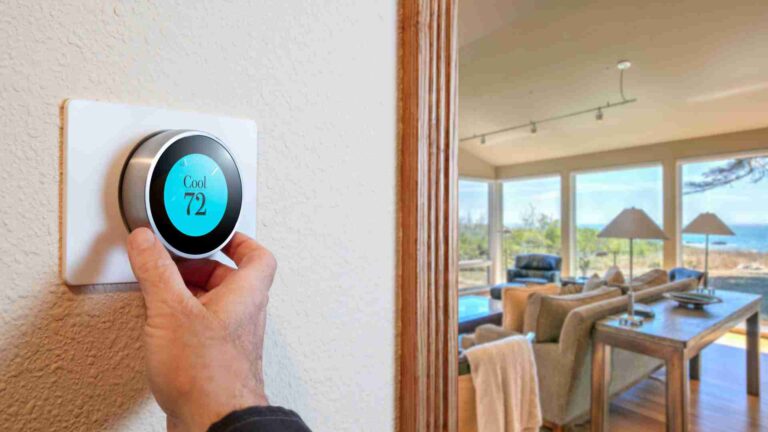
(320, 80)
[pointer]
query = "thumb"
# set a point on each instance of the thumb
(158, 276)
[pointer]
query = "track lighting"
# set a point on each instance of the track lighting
(622, 66)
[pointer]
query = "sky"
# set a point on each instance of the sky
(473, 201)
(740, 203)
(600, 196)
(543, 194)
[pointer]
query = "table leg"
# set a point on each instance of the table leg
(678, 393)
(695, 367)
(601, 378)
(753, 354)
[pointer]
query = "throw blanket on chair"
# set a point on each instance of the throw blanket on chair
(506, 387)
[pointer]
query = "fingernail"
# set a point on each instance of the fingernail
(141, 238)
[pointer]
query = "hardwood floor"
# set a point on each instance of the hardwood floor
(719, 402)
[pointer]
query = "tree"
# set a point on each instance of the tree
(473, 239)
(754, 169)
(537, 233)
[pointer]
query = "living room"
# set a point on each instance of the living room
(612, 163)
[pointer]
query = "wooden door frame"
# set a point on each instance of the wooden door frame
(427, 217)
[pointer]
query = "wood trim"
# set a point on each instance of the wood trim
(427, 225)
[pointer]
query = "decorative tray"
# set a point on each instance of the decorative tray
(697, 300)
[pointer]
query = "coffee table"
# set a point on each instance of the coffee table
(497, 289)
(477, 310)
(676, 335)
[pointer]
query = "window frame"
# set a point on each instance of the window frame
(480, 263)
(573, 270)
(559, 176)
(679, 188)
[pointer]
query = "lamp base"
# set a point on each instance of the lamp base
(630, 320)
(644, 311)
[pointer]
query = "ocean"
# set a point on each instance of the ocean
(748, 237)
(752, 237)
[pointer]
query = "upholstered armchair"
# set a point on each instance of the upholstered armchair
(535, 269)
(680, 273)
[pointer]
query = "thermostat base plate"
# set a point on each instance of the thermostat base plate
(98, 137)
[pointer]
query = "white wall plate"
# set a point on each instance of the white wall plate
(98, 137)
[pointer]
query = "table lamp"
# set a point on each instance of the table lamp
(707, 224)
(632, 223)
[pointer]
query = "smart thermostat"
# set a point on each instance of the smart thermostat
(185, 185)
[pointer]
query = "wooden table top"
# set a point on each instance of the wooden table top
(681, 327)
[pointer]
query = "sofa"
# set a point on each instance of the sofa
(535, 269)
(564, 366)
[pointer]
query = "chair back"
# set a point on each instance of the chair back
(539, 262)
(680, 273)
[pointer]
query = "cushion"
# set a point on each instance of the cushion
(594, 283)
(650, 279)
(546, 314)
(571, 289)
(614, 276)
(515, 300)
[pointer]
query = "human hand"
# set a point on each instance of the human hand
(204, 331)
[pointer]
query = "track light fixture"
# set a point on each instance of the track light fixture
(622, 66)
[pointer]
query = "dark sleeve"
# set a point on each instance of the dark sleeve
(260, 419)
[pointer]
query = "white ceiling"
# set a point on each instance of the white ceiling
(699, 67)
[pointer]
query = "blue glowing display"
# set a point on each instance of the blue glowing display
(195, 195)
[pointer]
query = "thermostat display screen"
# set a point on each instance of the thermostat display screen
(195, 194)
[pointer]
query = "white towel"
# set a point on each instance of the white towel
(506, 386)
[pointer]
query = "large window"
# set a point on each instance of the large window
(735, 191)
(474, 251)
(601, 196)
(531, 218)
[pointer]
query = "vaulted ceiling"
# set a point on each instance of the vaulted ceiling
(699, 67)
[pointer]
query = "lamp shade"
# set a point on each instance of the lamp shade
(633, 223)
(708, 223)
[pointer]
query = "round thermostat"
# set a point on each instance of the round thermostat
(186, 187)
